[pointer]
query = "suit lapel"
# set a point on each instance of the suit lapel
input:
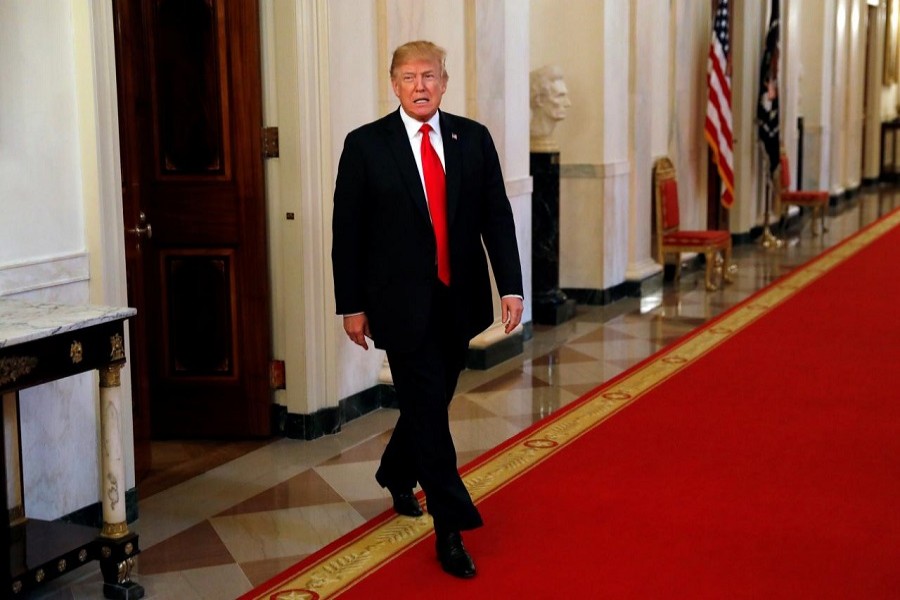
(406, 162)
(452, 164)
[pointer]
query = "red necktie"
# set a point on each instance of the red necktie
(436, 192)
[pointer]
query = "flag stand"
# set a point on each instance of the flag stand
(768, 239)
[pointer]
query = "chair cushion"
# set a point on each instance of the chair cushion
(696, 238)
(669, 191)
(805, 197)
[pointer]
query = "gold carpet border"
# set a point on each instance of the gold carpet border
(351, 562)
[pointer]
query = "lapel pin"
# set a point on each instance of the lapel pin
(454, 136)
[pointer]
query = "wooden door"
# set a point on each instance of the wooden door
(190, 123)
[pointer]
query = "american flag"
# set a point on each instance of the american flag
(718, 106)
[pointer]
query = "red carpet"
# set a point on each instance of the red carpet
(759, 458)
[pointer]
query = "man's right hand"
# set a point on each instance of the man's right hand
(357, 328)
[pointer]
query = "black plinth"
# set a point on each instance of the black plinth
(550, 305)
(553, 312)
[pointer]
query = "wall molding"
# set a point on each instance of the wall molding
(519, 187)
(32, 275)
(813, 129)
(594, 171)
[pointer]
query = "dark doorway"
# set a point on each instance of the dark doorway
(190, 121)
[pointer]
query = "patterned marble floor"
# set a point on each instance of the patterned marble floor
(263, 507)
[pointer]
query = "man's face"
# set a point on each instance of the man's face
(419, 87)
(558, 100)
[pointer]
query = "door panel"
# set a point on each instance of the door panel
(199, 321)
(187, 47)
(192, 164)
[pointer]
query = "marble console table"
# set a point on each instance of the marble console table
(41, 343)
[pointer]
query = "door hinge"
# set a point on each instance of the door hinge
(276, 375)
(270, 142)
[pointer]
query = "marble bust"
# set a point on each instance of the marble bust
(549, 104)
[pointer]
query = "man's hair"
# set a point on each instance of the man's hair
(419, 50)
(540, 81)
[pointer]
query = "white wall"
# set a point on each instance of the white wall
(42, 236)
(39, 164)
(559, 34)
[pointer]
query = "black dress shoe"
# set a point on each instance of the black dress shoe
(405, 503)
(453, 555)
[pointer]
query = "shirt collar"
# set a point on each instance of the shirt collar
(412, 125)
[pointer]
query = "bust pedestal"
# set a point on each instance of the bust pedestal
(550, 305)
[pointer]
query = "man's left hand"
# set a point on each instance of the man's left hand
(511, 309)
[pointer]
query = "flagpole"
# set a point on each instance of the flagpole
(768, 119)
(768, 239)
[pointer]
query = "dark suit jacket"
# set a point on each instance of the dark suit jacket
(383, 251)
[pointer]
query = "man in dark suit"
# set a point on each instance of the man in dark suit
(412, 205)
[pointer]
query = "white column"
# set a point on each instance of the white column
(102, 179)
(296, 67)
(748, 40)
(874, 79)
(839, 96)
(112, 483)
(617, 115)
(817, 55)
(855, 89)
(497, 96)
(644, 87)
(790, 70)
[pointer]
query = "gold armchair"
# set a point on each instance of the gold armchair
(817, 200)
(671, 240)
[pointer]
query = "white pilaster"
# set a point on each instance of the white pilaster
(102, 181)
(874, 83)
(641, 125)
(497, 89)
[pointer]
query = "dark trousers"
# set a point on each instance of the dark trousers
(421, 448)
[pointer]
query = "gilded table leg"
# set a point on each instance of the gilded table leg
(117, 546)
(12, 453)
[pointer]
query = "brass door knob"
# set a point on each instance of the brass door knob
(144, 228)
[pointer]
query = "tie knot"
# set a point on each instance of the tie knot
(425, 129)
